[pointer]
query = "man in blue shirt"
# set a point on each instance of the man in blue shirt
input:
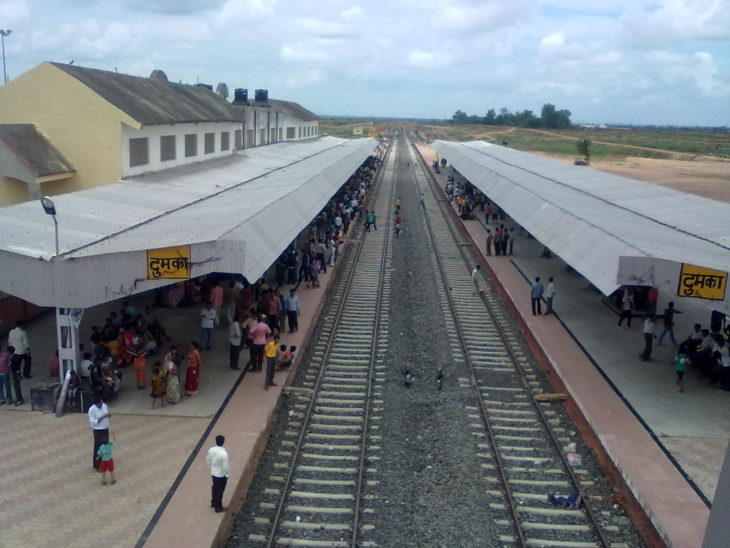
(535, 296)
(293, 307)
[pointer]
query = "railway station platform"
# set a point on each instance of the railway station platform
(668, 446)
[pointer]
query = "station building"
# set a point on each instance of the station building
(65, 128)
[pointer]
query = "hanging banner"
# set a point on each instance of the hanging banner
(74, 317)
(702, 283)
(170, 263)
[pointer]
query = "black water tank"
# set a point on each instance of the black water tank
(262, 95)
(240, 95)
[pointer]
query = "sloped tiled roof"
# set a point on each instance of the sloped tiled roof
(32, 148)
(155, 102)
(295, 109)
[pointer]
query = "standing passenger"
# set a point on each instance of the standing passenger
(549, 295)
(536, 292)
(648, 337)
(490, 238)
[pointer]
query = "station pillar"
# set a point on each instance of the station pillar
(717, 534)
(68, 321)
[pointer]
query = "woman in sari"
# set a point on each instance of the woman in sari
(192, 374)
(172, 381)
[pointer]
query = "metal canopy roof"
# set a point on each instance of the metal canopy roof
(237, 213)
(592, 218)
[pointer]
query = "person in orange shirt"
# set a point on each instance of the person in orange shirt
(216, 299)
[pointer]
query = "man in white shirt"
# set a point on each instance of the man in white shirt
(476, 277)
(235, 334)
(99, 422)
(649, 326)
(218, 462)
(549, 294)
(18, 339)
(207, 324)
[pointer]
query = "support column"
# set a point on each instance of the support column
(67, 335)
(717, 534)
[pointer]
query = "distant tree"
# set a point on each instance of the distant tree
(526, 118)
(460, 117)
(583, 146)
(505, 118)
(491, 117)
(553, 118)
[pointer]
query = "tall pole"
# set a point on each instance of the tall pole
(3, 34)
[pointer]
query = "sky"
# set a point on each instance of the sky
(661, 62)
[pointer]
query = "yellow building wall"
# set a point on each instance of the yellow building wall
(12, 191)
(82, 125)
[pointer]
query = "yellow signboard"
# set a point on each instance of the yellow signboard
(703, 283)
(171, 263)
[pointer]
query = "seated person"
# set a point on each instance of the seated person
(74, 384)
(287, 357)
(546, 253)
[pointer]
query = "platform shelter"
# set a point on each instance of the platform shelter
(234, 215)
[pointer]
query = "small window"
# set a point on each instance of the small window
(262, 136)
(167, 148)
(225, 140)
(281, 134)
(300, 132)
(139, 152)
(209, 143)
(291, 132)
(238, 139)
(191, 145)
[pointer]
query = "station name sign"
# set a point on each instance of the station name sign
(702, 283)
(172, 263)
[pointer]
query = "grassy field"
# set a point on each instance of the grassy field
(607, 143)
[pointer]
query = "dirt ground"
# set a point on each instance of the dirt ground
(708, 178)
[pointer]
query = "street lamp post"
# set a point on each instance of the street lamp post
(50, 209)
(3, 34)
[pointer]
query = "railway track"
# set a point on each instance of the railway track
(315, 497)
(520, 440)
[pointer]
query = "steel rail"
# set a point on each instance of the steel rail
(448, 216)
(482, 406)
(272, 537)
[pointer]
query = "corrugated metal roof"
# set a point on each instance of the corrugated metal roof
(188, 204)
(32, 148)
(151, 101)
(295, 109)
(592, 218)
(237, 214)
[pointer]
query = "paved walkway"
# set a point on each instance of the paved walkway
(50, 494)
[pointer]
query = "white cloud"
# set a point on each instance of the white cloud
(352, 14)
(554, 39)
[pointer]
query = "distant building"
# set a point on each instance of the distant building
(357, 130)
(65, 128)
(273, 120)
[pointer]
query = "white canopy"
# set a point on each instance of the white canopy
(237, 214)
(591, 218)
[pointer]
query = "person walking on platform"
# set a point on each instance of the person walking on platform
(192, 372)
(490, 238)
(216, 297)
(536, 292)
(217, 459)
(549, 295)
(627, 303)
(271, 350)
(649, 326)
(680, 366)
(669, 313)
(511, 241)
